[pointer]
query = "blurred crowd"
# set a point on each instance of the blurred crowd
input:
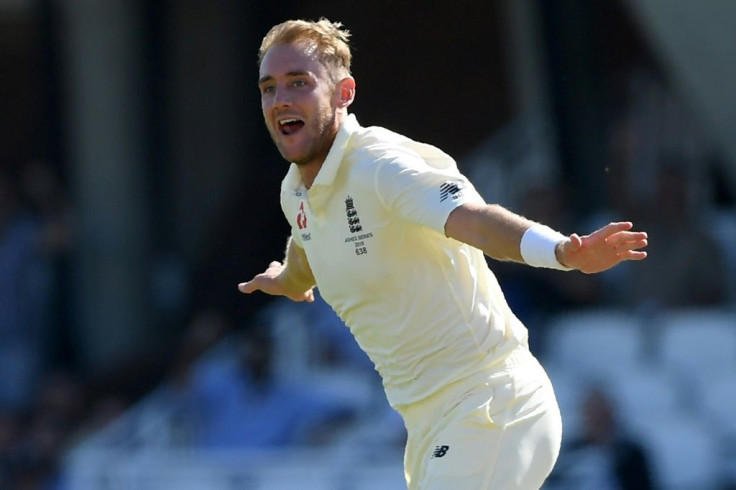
(229, 384)
(41, 405)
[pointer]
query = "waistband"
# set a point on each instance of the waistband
(520, 356)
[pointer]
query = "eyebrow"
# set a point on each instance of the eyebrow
(268, 78)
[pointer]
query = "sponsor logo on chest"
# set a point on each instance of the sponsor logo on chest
(357, 238)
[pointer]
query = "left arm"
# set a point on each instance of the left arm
(498, 233)
(490, 228)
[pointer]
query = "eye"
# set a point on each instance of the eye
(267, 89)
(300, 83)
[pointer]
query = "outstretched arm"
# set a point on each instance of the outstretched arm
(498, 232)
(293, 278)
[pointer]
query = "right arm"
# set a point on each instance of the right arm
(293, 278)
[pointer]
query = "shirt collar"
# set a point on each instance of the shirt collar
(328, 170)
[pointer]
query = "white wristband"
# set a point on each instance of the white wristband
(538, 247)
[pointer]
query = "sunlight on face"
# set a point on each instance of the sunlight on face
(298, 103)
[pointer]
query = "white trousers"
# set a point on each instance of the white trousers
(499, 432)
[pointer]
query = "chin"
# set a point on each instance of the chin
(289, 156)
(298, 158)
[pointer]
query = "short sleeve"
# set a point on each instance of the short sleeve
(421, 193)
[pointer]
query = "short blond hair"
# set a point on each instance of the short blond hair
(329, 39)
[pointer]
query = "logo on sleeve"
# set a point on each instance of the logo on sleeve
(440, 451)
(452, 189)
(301, 217)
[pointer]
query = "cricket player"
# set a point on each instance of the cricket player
(394, 236)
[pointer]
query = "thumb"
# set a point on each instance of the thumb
(576, 242)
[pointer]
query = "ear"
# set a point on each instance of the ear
(345, 92)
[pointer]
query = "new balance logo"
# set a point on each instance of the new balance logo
(451, 189)
(440, 451)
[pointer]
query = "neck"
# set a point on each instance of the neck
(309, 171)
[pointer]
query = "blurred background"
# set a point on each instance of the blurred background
(138, 186)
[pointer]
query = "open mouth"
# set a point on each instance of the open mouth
(290, 126)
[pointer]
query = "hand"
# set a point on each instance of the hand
(272, 281)
(602, 249)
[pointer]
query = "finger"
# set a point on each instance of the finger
(633, 255)
(307, 296)
(626, 236)
(631, 245)
(254, 284)
(621, 225)
(612, 228)
(246, 287)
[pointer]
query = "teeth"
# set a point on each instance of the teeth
(287, 121)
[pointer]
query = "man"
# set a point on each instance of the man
(394, 237)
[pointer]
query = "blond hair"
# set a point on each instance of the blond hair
(328, 39)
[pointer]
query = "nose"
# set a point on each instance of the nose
(281, 98)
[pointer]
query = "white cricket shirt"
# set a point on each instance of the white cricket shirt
(425, 308)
